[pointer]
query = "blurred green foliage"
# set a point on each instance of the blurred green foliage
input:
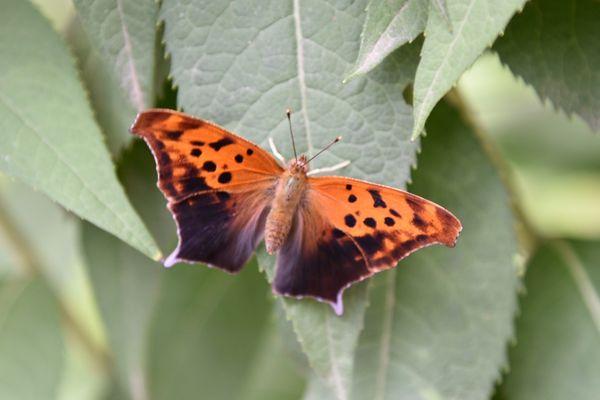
(513, 312)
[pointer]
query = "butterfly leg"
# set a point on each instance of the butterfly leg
(275, 152)
(330, 169)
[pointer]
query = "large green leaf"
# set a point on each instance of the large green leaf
(50, 139)
(554, 46)
(242, 63)
(557, 354)
(31, 343)
(438, 325)
(124, 31)
(388, 25)
(447, 53)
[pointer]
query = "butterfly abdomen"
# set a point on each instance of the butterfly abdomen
(279, 221)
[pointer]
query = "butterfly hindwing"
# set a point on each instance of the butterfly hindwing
(356, 229)
(218, 185)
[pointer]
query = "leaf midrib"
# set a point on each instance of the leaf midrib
(137, 95)
(582, 281)
(300, 70)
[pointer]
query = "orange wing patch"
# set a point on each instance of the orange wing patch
(387, 224)
(195, 156)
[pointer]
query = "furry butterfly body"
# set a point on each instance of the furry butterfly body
(226, 194)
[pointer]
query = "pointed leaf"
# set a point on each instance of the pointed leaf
(557, 351)
(31, 343)
(124, 31)
(448, 53)
(440, 322)
(241, 66)
(388, 25)
(50, 139)
(554, 46)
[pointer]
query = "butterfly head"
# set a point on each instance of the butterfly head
(298, 166)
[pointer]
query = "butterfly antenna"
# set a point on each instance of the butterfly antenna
(337, 139)
(288, 112)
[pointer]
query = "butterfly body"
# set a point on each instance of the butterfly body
(227, 194)
(291, 188)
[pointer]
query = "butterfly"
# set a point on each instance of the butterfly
(227, 194)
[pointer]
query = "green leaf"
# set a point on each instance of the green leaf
(447, 53)
(113, 110)
(206, 333)
(50, 139)
(124, 32)
(554, 46)
(126, 285)
(31, 343)
(388, 25)
(275, 374)
(438, 325)
(557, 355)
(242, 67)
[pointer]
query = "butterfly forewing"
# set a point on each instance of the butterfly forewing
(218, 185)
(194, 155)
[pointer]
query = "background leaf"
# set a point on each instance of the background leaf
(31, 342)
(557, 354)
(242, 67)
(50, 139)
(388, 25)
(114, 112)
(447, 53)
(438, 325)
(124, 32)
(554, 46)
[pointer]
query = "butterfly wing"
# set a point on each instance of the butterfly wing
(347, 230)
(218, 185)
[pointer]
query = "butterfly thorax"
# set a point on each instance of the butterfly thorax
(288, 195)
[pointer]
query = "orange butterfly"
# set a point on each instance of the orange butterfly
(227, 194)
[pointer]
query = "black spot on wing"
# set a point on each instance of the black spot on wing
(209, 166)
(352, 198)
(377, 199)
(239, 158)
(349, 220)
(348, 186)
(370, 222)
(173, 135)
(197, 143)
(220, 143)
(415, 205)
(419, 222)
(196, 152)
(249, 152)
(224, 177)
(395, 213)
(389, 221)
